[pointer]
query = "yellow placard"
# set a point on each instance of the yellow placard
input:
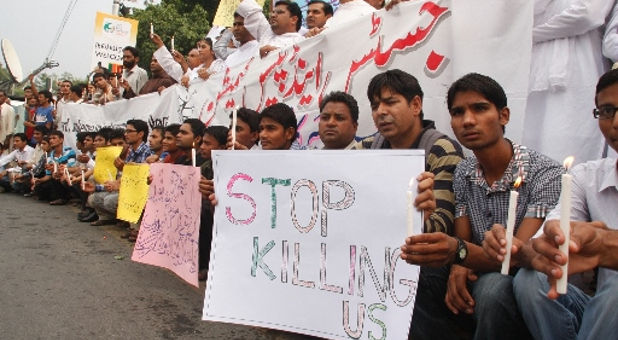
(133, 192)
(225, 12)
(104, 169)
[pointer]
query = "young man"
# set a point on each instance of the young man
(594, 243)
(155, 142)
(318, 12)
(7, 121)
(249, 47)
(103, 93)
(135, 136)
(169, 143)
(278, 128)
(43, 114)
(190, 137)
(20, 156)
(338, 121)
(396, 101)
(470, 283)
(133, 76)
(59, 157)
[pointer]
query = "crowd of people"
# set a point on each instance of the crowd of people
(461, 291)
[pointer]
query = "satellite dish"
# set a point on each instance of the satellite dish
(12, 61)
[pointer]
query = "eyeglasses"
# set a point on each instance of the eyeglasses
(129, 131)
(605, 112)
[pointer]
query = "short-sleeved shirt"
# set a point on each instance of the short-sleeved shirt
(487, 205)
(43, 115)
(67, 157)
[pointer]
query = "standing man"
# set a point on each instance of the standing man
(159, 81)
(133, 76)
(7, 121)
(318, 12)
(249, 47)
(338, 121)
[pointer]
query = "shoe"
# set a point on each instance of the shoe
(59, 201)
(89, 218)
(28, 194)
(99, 223)
(85, 212)
(123, 225)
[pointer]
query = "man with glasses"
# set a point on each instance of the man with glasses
(594, 243)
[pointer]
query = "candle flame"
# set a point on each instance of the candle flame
(568, 162)
(517, 182)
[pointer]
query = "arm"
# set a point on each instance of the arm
(167, 62)
(255, 21)
(580, 17)
(221, 45)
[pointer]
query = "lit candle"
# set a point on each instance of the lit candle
(193, 154)
(565, 224)
(172, 43)
(410, 206)
(83, 181)
(151, 29)
(234, 122)
(510, 227)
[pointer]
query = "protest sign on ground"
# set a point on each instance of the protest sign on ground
(309, 242)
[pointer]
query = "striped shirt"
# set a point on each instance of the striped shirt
(67, 157)
(441, 160)
(487, 205)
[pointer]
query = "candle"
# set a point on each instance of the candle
(55, 166)
(193, 154)
(151, 29)
(565, 224)
(234, 122)
(68, 176)
(410, 206)
(172, 43)
(83, 181)
(510, 227)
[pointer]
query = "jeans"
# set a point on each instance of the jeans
(105, 204)
(574, 315)
(496, 315)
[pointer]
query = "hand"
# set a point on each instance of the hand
(494, 244)
(203, 73)
(393, 3)
(83, 158)
(156, 39)
(125, 84)
(425, 200)
(119, 163)
(178, 57)
(207, 189)
(184, 81)
(88, 187)
(160, 89)
(430, 249)
(152, 159)
(314, 31)
(237, 146)
(264, 50)
(458, 298)
(111, 186)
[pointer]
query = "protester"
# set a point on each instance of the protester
(188, 140)
(169, 144)
(278, 128)
(103, 93)
(157, 83)
(7, 121)
(12, 165)
(155, 142)
(248, 45)
(59, 156)
(210, 64)
(338, 121)
(247, 130)
(318, 12)
(133, 76)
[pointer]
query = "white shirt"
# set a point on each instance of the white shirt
(17, 156)
(7, 121)
(243, 53)
(136, 77)
(594, 197)
(349, 11)
(258, 26)
(217, 65)
(610, 40)
(167, 62)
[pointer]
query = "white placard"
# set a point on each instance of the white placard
(309, 242)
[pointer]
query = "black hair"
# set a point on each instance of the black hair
(99, 74)
(133, 51)
(116, 133)
(42, 129)
(140, 126)
(282, 114)
(160, 128)
(67, 81)
(236, 15)
(294, 10)
(81, 136)
(47, 94)
(342, 97)
(197, 126)
(397, 81)
(608, 79)
(252, 118)
(21, 136)
(105, 133)
(217, 132)
(172, 128)
(77, 89)
(57, 133)
(326, 7)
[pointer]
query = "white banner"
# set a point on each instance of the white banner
(437, 42)
(312, 244)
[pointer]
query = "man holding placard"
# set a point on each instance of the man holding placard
(470, 284)
(594, 199)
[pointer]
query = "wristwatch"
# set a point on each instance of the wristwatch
(462, 251)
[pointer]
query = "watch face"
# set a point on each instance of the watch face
(462, 253)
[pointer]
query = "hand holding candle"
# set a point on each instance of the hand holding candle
(565, 224)
(510, 227)
(151, 29)
(83, 181)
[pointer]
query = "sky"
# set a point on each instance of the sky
(31, 25)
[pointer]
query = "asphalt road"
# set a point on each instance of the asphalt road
(61, 279)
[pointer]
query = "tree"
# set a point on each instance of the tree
(187, 21)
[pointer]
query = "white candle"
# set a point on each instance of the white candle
(234, 122)
(151, 29)
(172, 43)
(410, 206)
(193, 154)
(510, 227)
(83, 181)
(565, 225)
(68, 175)
(55, 166)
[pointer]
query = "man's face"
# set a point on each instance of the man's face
(33, 102)
(128, 59)
(393, 115)
(54, 141)
(209, 143)
(244, 135)
(316, 16)
(65, 88)
(281, 20)
(185, 139)
(99, 141)
(193, 58)
(608, 97)
(336, 127)
(27, 94)
(154, 140)
(239, 31)
(2, 97)
(117, 142)
(155, 67)
(88, 143)
(37, 135)
(169, 142)
(131, 136)
(273, 136)
(476, 122)
(100, 83)
(19, 143)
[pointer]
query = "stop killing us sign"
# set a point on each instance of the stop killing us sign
(309, 242)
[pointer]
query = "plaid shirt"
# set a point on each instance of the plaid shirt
(487, 205)
(139, 155)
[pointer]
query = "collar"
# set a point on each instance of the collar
(519, 166)
(426, 125)
(610, 176)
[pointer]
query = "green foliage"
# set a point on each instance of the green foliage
(187, 21)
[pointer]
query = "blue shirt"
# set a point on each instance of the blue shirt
(43, 115)
(67, 157)
(139, 155)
